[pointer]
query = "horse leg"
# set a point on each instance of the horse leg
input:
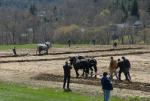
(46, 51)
(77, 74)
(83, 73)
(95, 69)
(86, 72)
(91, 71)
(39, 51)
(36, 51)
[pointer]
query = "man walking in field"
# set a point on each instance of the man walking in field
(106, 86)
(67, 68)
(127, 67)
(113, 68)
(122, 69)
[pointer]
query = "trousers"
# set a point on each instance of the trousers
(66, 80)
(106, 94)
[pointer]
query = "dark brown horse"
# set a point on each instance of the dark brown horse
(85, 64)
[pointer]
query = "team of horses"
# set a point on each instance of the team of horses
(90, 64)
(85, 64)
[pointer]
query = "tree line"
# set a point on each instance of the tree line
(81, 21)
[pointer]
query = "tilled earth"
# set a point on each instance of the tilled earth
(28, 68)
(92, 81)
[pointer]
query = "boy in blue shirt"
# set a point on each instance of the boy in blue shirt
(106, 86)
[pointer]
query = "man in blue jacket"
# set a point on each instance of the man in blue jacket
(106, 86)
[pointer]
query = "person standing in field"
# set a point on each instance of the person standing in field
(106, 86)
(113, 68)
(114, 45)
(122, 69)
(127, 67)
(14, 51)
(67, 71)
(69, 42)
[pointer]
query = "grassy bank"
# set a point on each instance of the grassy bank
(15, 92)
(33, 46)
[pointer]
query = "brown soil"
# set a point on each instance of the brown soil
(92, 81)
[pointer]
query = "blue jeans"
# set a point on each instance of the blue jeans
(106, 94)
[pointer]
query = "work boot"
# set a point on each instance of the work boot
(69, 90)
(64, 88)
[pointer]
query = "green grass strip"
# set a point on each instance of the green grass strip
(15, 92)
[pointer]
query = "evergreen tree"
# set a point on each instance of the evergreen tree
(33, 9)
(124, 8)
(148, 9)
(135, 9)
(0, 3)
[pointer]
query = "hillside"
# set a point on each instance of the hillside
(105, 21)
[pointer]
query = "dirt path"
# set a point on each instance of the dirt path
(73, 52)
(66, 56)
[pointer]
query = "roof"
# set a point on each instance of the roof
(138, 23)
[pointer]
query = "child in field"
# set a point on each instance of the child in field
(106, 86)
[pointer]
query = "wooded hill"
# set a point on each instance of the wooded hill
(81, 21)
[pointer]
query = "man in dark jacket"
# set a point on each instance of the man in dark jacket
(127, 67)
(114, 45)
(67, 69)
(69, 42)
(106, 86)
(122, 69)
